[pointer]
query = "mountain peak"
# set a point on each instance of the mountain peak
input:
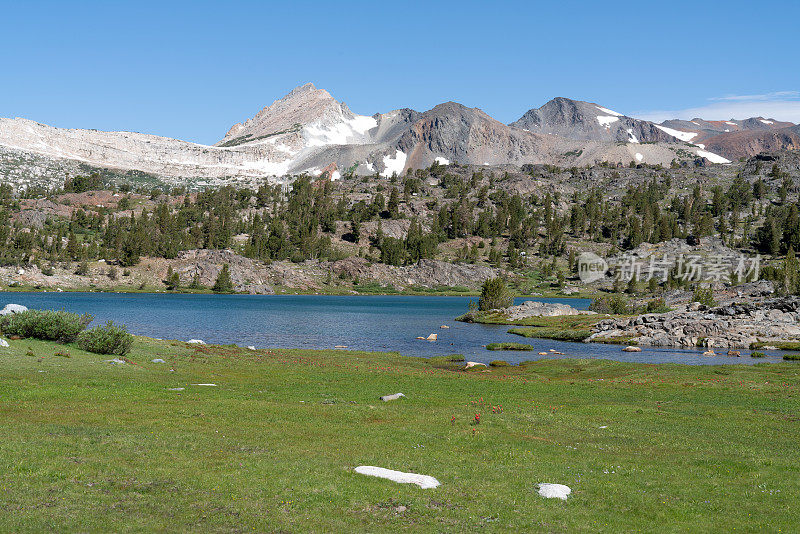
(308, 86)
(304, 104)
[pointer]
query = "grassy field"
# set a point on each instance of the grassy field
(93, 447)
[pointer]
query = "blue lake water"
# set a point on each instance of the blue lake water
(375, 323)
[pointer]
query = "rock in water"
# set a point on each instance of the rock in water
(13, 308)
(387, 398)
(423, 481)
(554, 491)
(432, 337)
(632, 349)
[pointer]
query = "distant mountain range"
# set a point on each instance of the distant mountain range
(309, 131)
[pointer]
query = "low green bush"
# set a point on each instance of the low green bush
(792, 357)
(108, 339)
(757, 354)
(451, 362)
(499, 363)
(508, 346)
(47, 325)
(613, 304)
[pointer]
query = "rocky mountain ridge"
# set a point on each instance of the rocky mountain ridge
(308, 131)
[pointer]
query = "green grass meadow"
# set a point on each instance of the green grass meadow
(92, 447)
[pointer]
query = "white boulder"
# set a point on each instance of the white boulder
(4, 343)
(197, 341)
(554, 491)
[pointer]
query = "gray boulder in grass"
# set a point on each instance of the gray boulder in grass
(13, 308)
(387, 398)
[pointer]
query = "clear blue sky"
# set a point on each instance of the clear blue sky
(191, 69)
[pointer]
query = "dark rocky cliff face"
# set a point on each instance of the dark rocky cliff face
(579, 120)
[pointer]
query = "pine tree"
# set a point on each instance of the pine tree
(224, 284)
(173, 281)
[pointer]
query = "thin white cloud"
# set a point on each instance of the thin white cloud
(777, 95)
(780, 105)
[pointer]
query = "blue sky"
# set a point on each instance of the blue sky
(191, 69)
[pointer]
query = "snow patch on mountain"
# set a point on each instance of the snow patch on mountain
(683, 136)
(346, 132)
(394, 165)
(609, 111)
(606, 121)
(713, 158)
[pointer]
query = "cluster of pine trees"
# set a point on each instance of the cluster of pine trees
(302, 223)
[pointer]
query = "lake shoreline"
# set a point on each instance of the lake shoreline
(321, 322)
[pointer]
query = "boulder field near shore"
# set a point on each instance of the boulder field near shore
(730, 325)
(746, 316)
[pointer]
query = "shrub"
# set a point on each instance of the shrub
(704, 295)
(791, 357)
(45, 324)
(82, 269)
(508, 346)
(657, 306)
(757, 354)
(499, 363)
(614, 304)
(452, 362)
(495, 294)
(108, 339)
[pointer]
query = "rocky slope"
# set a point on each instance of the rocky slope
(256, 277)
(734, 139)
